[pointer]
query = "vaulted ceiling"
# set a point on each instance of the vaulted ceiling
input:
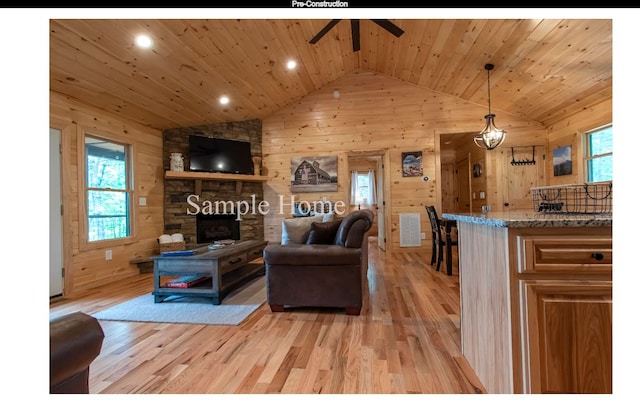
(545, 69)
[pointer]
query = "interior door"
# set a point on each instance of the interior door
(520, 176)
(381, 205)
(463, 202)
(449, 186)
(55, 216)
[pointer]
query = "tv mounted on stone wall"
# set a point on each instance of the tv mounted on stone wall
(210, 154)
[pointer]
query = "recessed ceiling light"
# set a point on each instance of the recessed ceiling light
(144, 41)
(291, 64)
(224, 100)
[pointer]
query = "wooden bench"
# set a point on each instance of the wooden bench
(144, 264)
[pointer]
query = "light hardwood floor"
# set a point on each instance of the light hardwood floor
(407, 340)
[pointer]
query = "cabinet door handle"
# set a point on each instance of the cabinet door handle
(597, 256)
(235, 261)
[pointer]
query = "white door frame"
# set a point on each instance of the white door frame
(56, 255)
(382, 174)
(381, 205)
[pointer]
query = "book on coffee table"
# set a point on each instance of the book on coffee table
(185, 281)
(178, 253)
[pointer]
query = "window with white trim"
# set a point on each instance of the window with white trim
(108, 189)
(599, 154)
(363, 188)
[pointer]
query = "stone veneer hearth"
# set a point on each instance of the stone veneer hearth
(176, 219)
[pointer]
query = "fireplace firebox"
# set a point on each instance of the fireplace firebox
(212, 227)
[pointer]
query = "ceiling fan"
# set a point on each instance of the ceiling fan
(355, 30)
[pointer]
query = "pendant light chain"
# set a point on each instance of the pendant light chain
(489, 88)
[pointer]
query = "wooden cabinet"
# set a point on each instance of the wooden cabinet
(536, 302)
(565, 294)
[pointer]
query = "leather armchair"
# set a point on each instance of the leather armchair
(321, 275)
(75, 340)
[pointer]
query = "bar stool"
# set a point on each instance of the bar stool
(437, 225)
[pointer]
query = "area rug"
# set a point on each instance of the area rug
(235, 308)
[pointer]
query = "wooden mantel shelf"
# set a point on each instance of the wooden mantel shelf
(214, 176)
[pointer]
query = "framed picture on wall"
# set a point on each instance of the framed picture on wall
(412, 163)
(562, 161)
(477, 170)
(314, 174)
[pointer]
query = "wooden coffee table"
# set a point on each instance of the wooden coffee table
(228, 267)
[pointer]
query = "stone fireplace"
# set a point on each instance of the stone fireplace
(177, 219)
(212, 227)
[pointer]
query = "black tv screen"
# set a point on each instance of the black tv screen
(207, 154)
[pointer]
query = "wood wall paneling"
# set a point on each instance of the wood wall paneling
(374, 112)
(87, 268)
(569, 132)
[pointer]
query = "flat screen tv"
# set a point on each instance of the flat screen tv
(207, 154)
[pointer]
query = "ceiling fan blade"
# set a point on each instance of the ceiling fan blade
(324, 31)
(355, 34)
(389, 26)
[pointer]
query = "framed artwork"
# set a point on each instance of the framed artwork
(477, 170)
(314, 174)
(562, 161)
(412, 163)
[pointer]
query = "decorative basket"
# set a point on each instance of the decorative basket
(172, 246)
(587, 198)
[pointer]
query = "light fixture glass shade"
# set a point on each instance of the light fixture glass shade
(490, 137)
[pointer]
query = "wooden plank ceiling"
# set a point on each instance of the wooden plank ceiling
(545, 69)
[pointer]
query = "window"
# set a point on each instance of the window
(108, 189)
(599, 154)
(363, 188)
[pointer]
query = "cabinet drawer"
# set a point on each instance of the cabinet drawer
(557, 254)
(255, 253)
(233, 262)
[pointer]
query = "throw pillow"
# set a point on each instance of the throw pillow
(323, 232)
(296, 230)
(328, 217)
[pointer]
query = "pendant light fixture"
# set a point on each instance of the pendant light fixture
(490, 137)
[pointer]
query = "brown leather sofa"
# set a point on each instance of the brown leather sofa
(329, 270)
(75, 340)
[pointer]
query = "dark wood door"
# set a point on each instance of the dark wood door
(463, 201)
(449, 187)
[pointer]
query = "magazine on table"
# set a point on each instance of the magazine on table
(185, 281)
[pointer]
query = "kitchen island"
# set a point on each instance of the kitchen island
(536, 300)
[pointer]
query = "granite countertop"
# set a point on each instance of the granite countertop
(530, 219)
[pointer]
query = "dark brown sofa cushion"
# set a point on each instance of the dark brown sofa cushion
(311, 254)
(323, 232)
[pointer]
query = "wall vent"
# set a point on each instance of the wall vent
(410, 230)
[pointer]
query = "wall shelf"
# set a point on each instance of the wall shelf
(214, 176)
